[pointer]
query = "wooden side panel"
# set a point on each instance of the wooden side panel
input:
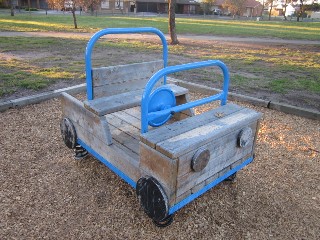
(200, 183)
(187, 141)
(120, 157)
(165, 132)
(224, 145)
(160, 167)
(89, 129)
(77, 113)
(224, 153)
(113, 80)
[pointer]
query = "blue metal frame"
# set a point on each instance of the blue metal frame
(146, 116)
(106, 31)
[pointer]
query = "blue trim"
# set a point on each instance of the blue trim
(208, 187)
(146, 116)
(108, 164)
(106, 31)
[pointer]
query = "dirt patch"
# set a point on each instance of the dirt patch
(45, 193)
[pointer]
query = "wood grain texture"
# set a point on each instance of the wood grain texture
(198, 136)
(154, 137)
(118, 155)
(77, 113)
(109, 104)
(160, 167)
(108, 81)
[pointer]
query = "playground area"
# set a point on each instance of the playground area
(48, 194)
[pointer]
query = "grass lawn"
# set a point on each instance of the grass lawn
(38, 63)
(283, 30)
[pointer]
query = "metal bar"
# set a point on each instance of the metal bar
(106, 31)
(190, 198)
(173, 69)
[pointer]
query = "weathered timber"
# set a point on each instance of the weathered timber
(198, 136)
(77, 113)
(160, 167)
(113, 80)
(109, 104)
(152, 138)
(120, 157)
(123, 126)
(218, 146)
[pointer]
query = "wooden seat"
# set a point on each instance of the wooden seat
(109, 104)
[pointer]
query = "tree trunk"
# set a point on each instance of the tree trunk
(270, 10)
(285, 10)
(300, 11)
(74, 17)
(12, 10)
(172, 22)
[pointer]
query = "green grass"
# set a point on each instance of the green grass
(283, 30)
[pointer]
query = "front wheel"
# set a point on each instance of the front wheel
(154, 201)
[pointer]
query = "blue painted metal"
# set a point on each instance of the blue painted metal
(161, 98)
(190, 198)
(107, 163)
(146, 116)
(107, 31)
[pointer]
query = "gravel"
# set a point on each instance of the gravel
(45, 193)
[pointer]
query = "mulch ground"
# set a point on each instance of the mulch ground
(45, 193)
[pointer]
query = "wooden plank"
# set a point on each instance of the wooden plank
(109, 104)
(165, 132)
(106, 105)
(198, 136)
(128, 118)
(121, 73)
(216, 147)
(135, 112)
(160, 167)
(125, 139)
(77, 113)
(114, 90)
(189, 180)
(123, 126)
(122, 158)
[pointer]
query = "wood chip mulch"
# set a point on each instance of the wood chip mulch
(45, 193)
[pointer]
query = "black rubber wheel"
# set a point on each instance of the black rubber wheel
(68, 133)
(153, 199)
(165, 222)
(231, 178)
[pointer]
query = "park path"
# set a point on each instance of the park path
(181, 37)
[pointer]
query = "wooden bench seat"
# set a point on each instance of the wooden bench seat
(109, 104)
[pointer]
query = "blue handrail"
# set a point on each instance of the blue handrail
(146, 116)
(106, 31)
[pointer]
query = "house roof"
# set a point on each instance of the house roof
(249, 3)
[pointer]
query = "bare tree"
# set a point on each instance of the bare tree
(285, 10)
(172, 22)
(270, 10)
(301, 11)
(236, 7)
